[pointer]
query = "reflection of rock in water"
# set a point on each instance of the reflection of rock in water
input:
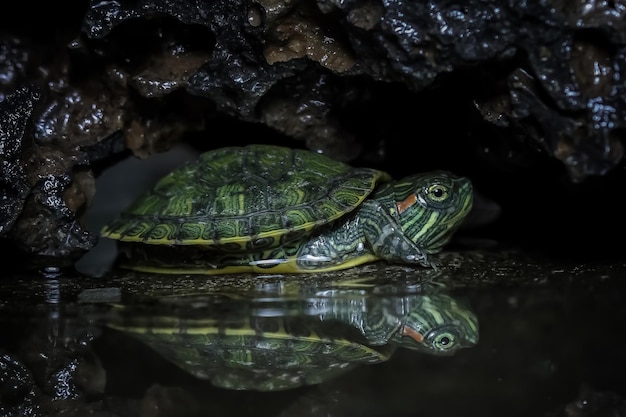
(19, 391)
(592, 403)
(46, 359)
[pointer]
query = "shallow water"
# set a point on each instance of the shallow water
(548, 341)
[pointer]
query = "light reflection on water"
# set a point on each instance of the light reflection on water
(276, 346)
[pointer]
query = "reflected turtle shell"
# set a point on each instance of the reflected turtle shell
(261, 353)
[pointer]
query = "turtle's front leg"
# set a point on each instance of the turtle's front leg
(393, 245)
(388, 241)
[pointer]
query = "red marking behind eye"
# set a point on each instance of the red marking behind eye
(415, 335)
(406, 203)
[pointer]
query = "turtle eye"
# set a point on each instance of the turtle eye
(437, 192)
(445, 341)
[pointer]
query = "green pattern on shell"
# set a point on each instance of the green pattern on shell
(244, 199)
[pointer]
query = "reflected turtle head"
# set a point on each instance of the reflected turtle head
(439, 326)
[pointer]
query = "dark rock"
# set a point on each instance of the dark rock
(39, 208)
(15, 111)
(48, 228)
(263, 46)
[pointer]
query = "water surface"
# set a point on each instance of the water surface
(531, 337)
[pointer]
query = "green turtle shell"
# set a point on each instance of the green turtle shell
(244, 199)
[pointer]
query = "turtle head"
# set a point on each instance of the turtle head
(430, 207)
(439, 326)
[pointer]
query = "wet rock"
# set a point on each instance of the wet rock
(15, 110)
(235, 77)
(296, 30)
(301, 109)
(568, 57)
(40, 197)
(47, 228)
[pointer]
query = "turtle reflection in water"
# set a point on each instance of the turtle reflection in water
(268, 209)
(256, 347)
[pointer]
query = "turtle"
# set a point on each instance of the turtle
(245, 344)
(272, 209)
